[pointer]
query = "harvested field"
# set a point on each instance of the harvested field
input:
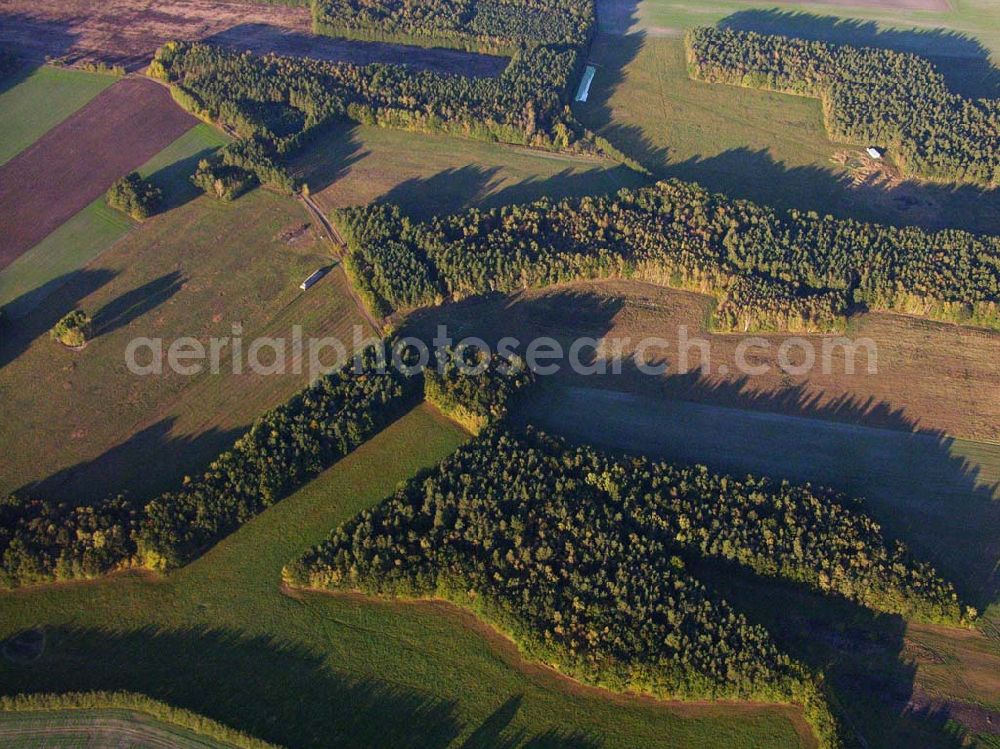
(127, 32)
(76, 161)
(931, 376)
(98, 728)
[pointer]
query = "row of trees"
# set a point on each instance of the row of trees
(491, 26)
(281, 102)
(792, 271)
(43, 540)
(870, 96)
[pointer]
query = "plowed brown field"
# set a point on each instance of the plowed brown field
(127, 32)
(76, 161)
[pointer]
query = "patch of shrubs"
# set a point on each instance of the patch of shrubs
(870, 96)
(769, 271)
(73, 330)
(475, 389)
(240, 166)
(137, 197)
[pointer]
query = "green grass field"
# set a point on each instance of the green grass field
(195, 271)
(768, 147)
(437, 175)
(94, 229)
(41, 99)
(219, 637)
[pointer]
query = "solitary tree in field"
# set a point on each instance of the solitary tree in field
(73, 330)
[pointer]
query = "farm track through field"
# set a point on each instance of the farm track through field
(340, 249)
(127, 32)
(76, 161)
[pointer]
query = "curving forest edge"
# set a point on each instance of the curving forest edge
(795, 271)
(578, 556)
(871, 96)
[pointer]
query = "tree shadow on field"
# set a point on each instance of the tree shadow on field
(174, 180)
(274, 690)
(146, 464)
(756, 175)
(494, 733)
(448, 191)
(33, 40)
(611, 54)
(134, 303)
(962, 59)
(862, 655)
(34, 313)
(328, 156)
(458, 189)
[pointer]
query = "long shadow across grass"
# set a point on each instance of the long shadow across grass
(24, 320)
(149, 462)
(962, 59)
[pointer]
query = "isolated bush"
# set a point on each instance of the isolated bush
(73, 330)
(137, 197)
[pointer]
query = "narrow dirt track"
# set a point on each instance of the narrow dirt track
(76, 161)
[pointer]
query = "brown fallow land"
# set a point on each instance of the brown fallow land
(128, 32)
(75, 162)
(928, 375)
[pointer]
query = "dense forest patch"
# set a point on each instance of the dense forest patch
(579, 556)
(480, 25)
(280, 102)
(768, 271)
(870, 96)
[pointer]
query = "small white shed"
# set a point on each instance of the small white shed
(313, 279)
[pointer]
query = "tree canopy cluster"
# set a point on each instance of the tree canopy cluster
(281, 101)
(44, 540)
(768, 270)
(474, 388)
(135, 196)
(870, 96)
(578, 555)
(496, 26)
(73, 330)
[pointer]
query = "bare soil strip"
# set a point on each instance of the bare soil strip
(127, 32)
(75, 162)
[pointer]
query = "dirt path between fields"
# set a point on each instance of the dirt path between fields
(127, 32)
(340, 249)
(549, 677)
(74, 163)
